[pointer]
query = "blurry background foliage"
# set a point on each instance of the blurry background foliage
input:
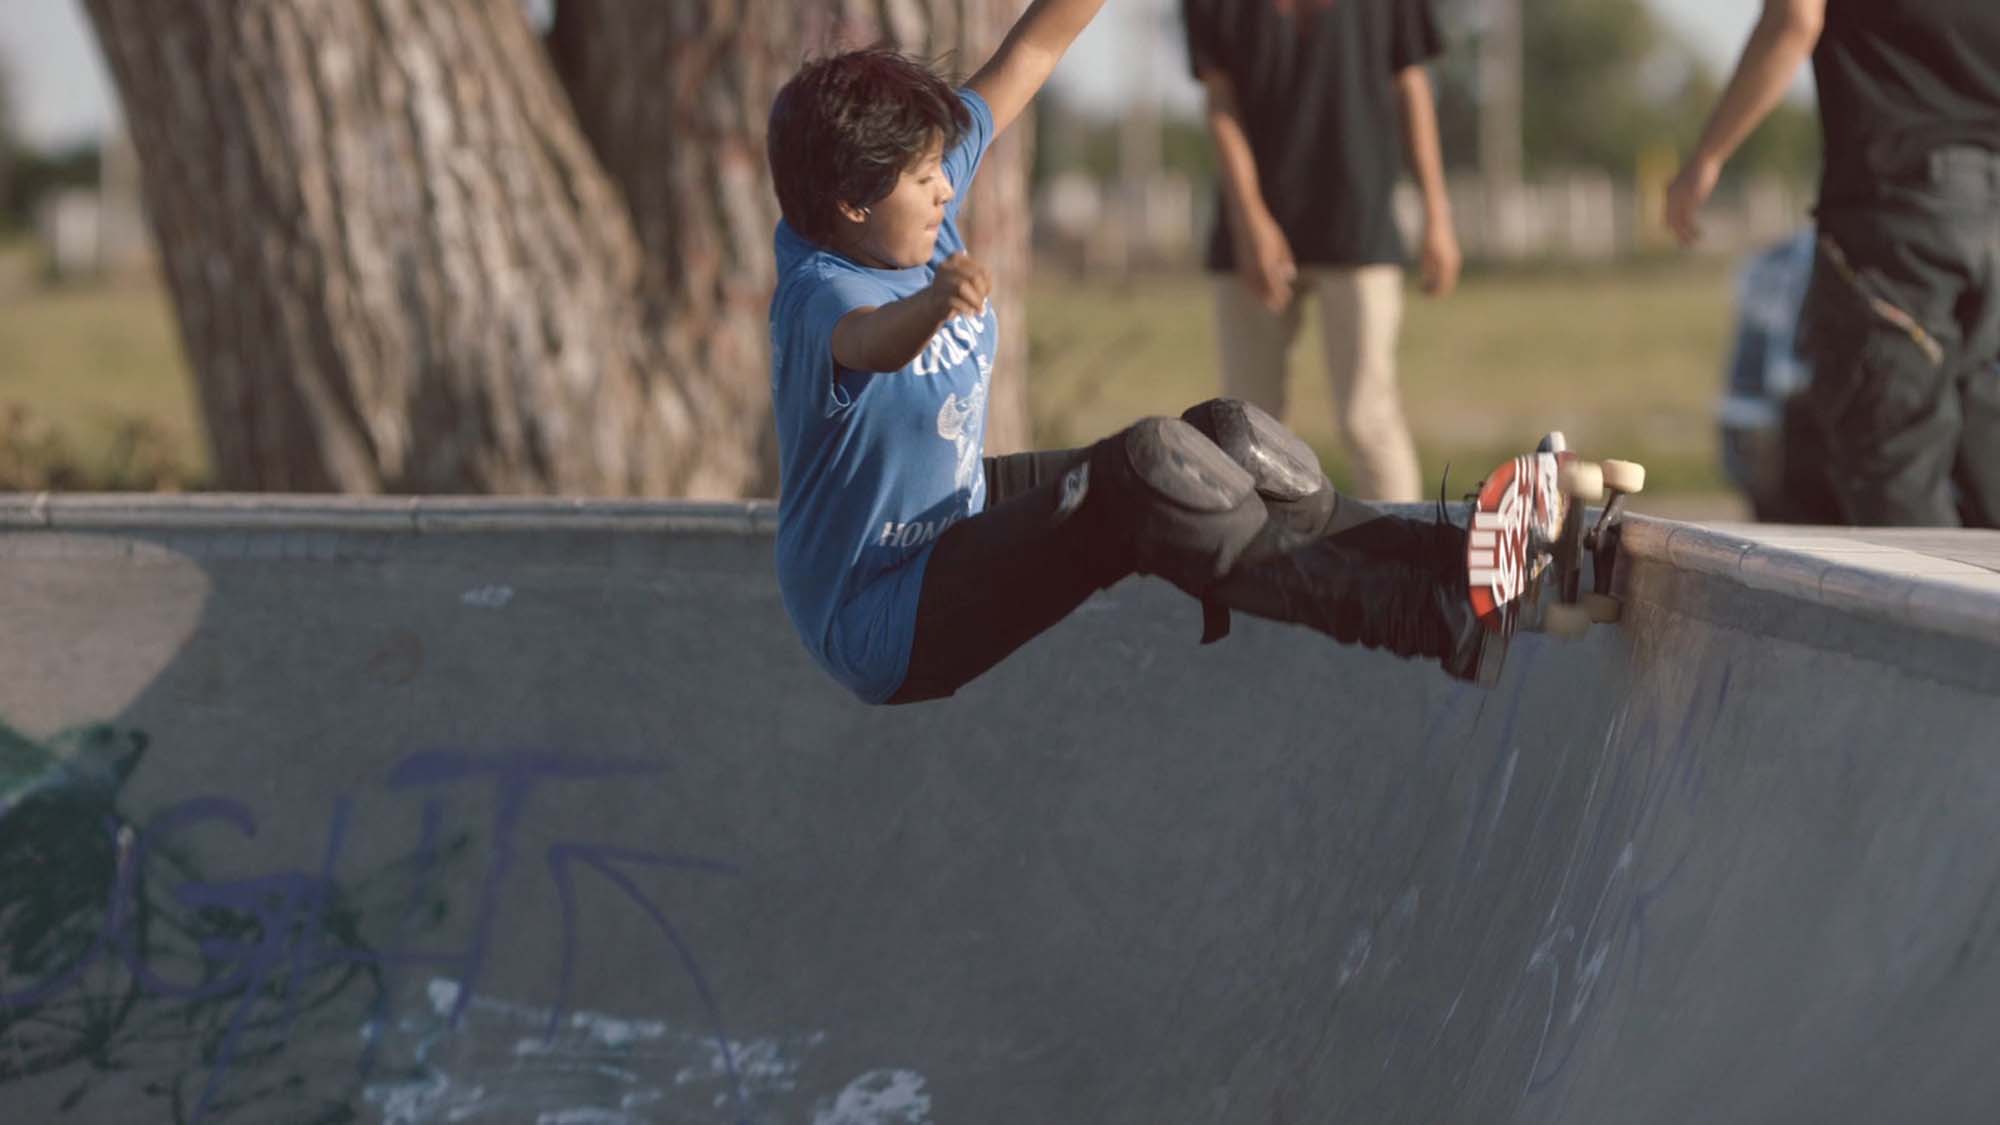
(1608, 83)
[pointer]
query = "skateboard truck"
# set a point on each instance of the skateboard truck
(1602, 543)
(1575, 611)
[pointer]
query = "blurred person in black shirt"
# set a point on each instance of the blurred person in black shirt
(1313, 106)
(1901, 321)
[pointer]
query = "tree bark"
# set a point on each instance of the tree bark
(6, 140)
(396, 264)
(674, 99)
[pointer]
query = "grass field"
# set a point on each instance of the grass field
(95, 368)
(1625, 359)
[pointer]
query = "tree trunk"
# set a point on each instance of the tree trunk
(396, 264)
(675, 97)
(6, 141)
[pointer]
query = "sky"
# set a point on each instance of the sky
(62, 95)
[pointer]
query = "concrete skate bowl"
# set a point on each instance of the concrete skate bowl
(426, 811)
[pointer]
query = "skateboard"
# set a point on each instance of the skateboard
(1529, 519)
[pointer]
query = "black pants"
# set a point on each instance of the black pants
(1901, 327)
(998, 579)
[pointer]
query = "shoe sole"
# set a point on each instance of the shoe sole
(1516, 519)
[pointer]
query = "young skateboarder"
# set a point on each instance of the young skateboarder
(910, 563)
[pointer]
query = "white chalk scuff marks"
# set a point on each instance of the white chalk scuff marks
(880, 1097)
(488, 597)
(500, 1064)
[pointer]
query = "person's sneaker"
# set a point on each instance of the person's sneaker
(1470, 651)
(1423, 588)
(1450, 628)
(1395, 583)
(1517, 517)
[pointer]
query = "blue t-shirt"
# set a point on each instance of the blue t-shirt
(874, 466)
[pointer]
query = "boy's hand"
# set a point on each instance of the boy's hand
(960, 288)
(887, 337)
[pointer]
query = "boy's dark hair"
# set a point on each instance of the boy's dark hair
(846, 126)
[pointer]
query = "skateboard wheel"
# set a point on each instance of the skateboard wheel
(1628, 477)
(1583, 480)
(1602, 609)
(1566, 622)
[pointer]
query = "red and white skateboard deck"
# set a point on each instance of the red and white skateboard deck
(1516, 518)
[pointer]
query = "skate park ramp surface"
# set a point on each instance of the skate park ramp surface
(427, 810)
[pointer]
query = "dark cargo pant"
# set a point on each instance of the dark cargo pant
(1901, 327)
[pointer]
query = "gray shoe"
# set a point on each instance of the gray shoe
(1395, 584)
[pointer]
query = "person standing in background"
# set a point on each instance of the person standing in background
(1306, 101)
(1901, 321)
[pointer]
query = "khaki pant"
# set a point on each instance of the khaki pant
(1361, 312)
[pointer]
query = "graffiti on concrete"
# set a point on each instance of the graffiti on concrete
(122, 958)
(124, 954)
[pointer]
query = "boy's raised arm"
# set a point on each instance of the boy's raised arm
(1026, 58)
(887, 337)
